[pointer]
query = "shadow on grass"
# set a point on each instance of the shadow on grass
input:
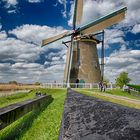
(15, 132)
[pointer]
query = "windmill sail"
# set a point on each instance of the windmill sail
(55, 38)
(103, 22)
(78, 11)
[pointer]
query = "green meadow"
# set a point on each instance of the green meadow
(41, 124)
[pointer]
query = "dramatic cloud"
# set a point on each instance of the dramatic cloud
(22, 72)
(113, 36)
(19, 56)
(15, 2)
(0, 26)
(10, 3)
(3, 35)
(71, 14)
(136, 29)
(94, 9)
(11, 11)
(11, 6)
(120, 61)
(18, 51)
(31, 72)
(64, 3)
(35, 33)
(133, 9)
(35, 1)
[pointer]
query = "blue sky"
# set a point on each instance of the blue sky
(47, 12)
(24, 23)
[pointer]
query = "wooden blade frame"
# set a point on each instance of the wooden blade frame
(78, 12)
(103, 22)
(55, 38)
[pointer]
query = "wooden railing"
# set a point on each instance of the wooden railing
(75, 85)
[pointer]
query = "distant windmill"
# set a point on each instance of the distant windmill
(82, 58)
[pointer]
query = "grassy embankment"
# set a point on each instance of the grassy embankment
(41, 124)
(19, 97)
(117, 92)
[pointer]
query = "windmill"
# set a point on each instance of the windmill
(82, 57)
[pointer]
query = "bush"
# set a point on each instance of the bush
(136, 87)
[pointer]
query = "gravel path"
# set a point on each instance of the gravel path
(89, 118)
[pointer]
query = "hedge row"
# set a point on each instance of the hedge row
(137, 87)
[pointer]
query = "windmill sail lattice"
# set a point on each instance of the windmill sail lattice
(104, 22)
(53, 39)
(78, 12)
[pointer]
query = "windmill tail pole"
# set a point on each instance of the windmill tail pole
(102, 57)
(70, 63)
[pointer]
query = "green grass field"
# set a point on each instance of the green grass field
(41, 124)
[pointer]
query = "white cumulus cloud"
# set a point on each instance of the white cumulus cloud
(35, 33)
(94, 9)
(35, 1)
(19, 55)
(3, 35)
(123, 60)
(11, 2)
(11, 6)
(0, 26)
(136, 29)
(64, 3)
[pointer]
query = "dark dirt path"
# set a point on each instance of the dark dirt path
(89, 118)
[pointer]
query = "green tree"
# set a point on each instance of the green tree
(37, 83)
(122, 79)
(106, 80)
(13, 82)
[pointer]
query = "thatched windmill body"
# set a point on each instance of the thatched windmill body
(82, 59)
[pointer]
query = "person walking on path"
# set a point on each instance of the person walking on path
(104, 86)
(101, 86)
(77, 83)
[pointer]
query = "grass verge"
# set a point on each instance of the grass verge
(103, 97)
(39, 125)
(18, 97)
(117, 92)
(122, 93)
